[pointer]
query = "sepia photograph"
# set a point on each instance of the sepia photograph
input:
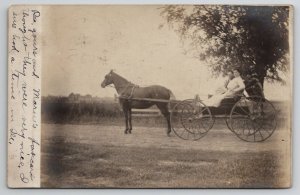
(165, 96)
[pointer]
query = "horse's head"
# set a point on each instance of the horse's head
(108, 79)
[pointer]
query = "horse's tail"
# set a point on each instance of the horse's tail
(172, 96)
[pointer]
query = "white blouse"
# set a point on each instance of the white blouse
(236, 83)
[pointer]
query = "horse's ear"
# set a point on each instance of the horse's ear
(111, 71)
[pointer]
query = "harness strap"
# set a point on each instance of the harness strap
(122, 95)
(132, 90)
(125, 88)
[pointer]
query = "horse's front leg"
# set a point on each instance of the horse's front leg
(125, 111)
(129, 120)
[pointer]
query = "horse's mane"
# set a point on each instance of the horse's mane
(120, 76)
(123, 79)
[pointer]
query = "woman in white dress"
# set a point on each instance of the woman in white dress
(234, 87)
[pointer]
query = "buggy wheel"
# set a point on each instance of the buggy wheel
(253, 119)
(191, 119)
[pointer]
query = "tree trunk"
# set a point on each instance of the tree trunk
(261, 80)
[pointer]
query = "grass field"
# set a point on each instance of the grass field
(93, 156)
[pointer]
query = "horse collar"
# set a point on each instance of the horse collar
(122, 94)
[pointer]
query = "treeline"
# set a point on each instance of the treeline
(76, 109)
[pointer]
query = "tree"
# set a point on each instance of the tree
(235, 37)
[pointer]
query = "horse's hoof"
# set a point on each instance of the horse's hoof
(125, 132)
(129, 130)
(169, 134)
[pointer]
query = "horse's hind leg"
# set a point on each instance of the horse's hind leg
(129, 121)
(163, 107)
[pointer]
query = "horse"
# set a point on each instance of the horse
(133, 96)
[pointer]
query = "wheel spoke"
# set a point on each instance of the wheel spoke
(265, 129)
(253, 120)
(204, 110)
(191, 117)
(261, 134)
(244, 110)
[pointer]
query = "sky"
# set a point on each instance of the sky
(83, 43)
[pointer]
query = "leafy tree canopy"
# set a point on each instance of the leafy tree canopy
(235, 36)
